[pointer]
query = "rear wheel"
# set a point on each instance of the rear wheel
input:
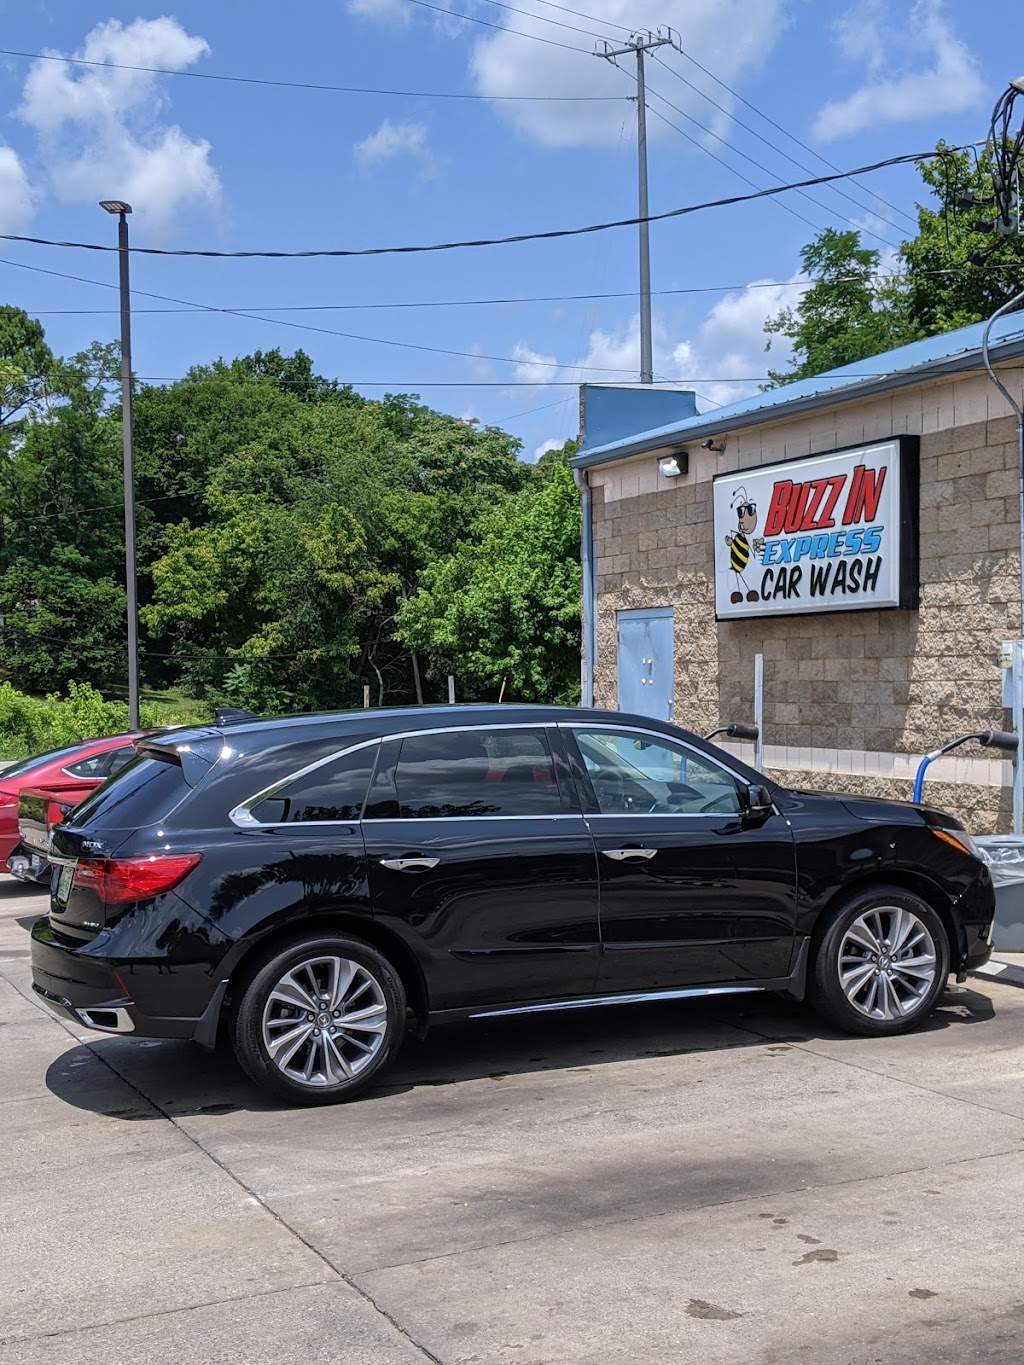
(319, 1019)
(881, 963)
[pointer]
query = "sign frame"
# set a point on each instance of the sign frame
(907, 502)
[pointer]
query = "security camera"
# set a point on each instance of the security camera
(716, 446)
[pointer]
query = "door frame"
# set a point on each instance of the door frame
(648, 614)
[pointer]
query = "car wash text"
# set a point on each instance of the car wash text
(821, 521)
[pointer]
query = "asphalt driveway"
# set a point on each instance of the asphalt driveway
(702, 1182)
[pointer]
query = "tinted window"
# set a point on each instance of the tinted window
(140, 794)
(335, 791)
(97, 766)
(634, 774)
(28, 765)
(471, 772)
(121, 758)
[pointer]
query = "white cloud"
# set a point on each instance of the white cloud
(724, 358)
(532, 366)
(384, 11)
(396, 139)
(730, 37)
(915, 67)
(543, 449)
(17, 201)
(100, 131)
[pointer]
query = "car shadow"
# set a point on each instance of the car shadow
(176, 1080)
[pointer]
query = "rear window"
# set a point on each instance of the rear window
(335, 792)
(142, 793)
(29, 765)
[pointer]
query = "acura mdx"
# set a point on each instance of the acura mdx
(313, 886)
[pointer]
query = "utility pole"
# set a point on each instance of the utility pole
(640, 43)
(120, 210)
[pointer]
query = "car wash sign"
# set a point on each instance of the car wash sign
(830, 533)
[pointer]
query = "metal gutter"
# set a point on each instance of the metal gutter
(667, 438)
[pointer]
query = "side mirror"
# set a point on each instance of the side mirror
(758, 802)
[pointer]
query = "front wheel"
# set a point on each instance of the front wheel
(319, 1019)
(881, 963)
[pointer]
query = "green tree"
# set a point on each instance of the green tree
(27, 367)
(845, 315)
(505, 610)
(853, 309)
(943, 289)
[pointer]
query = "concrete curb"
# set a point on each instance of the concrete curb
(1007, 973)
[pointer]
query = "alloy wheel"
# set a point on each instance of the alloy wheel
(887, 962)
(325, 1021)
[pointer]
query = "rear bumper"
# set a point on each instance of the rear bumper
(88, 990)
(28, 865)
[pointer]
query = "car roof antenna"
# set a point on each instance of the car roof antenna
(233, 715)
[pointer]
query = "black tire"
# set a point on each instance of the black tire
(376, 993)
(849, 1011)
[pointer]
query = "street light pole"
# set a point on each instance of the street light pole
(121, 209)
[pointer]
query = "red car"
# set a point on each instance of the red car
(66, 776)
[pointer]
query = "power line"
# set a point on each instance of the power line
(784, 131)
(501, 28)
(303, 85)
(759, 165)
(715, 157)
(550, 235)
(408, 384)
(775, 148)
(189, 306)
(249, 309)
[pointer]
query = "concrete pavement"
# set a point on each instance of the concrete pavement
(704, 1182)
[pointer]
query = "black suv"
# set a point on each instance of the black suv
(312, 885)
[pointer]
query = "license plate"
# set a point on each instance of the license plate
(67, 873)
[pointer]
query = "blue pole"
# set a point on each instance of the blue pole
(919, 778)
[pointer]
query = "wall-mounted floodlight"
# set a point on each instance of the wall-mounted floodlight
(671, 466)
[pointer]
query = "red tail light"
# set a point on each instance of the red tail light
(115, 881)
(8, 799)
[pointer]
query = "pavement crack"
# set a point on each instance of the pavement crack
(592, 1224)
(885, 1076)
(156, 1313)
(253, 1194)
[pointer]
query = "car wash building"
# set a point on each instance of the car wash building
(859, 530)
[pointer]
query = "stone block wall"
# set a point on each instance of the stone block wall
(855, 681)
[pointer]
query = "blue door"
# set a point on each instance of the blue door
(645, 662)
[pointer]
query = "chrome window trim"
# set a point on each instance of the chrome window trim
(77, 777)
(241, 815)
(656, 734)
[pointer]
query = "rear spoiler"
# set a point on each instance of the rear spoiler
(196, 750)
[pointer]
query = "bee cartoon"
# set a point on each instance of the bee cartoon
(740, 544)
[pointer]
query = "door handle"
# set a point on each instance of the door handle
(409, 864)
(629, 855)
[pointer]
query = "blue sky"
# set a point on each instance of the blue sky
(231, 166)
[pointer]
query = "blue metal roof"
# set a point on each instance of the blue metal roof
(913, 364)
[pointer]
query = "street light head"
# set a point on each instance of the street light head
(115, 206)
(1018, 84)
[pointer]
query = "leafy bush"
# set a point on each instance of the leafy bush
(30, 725)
